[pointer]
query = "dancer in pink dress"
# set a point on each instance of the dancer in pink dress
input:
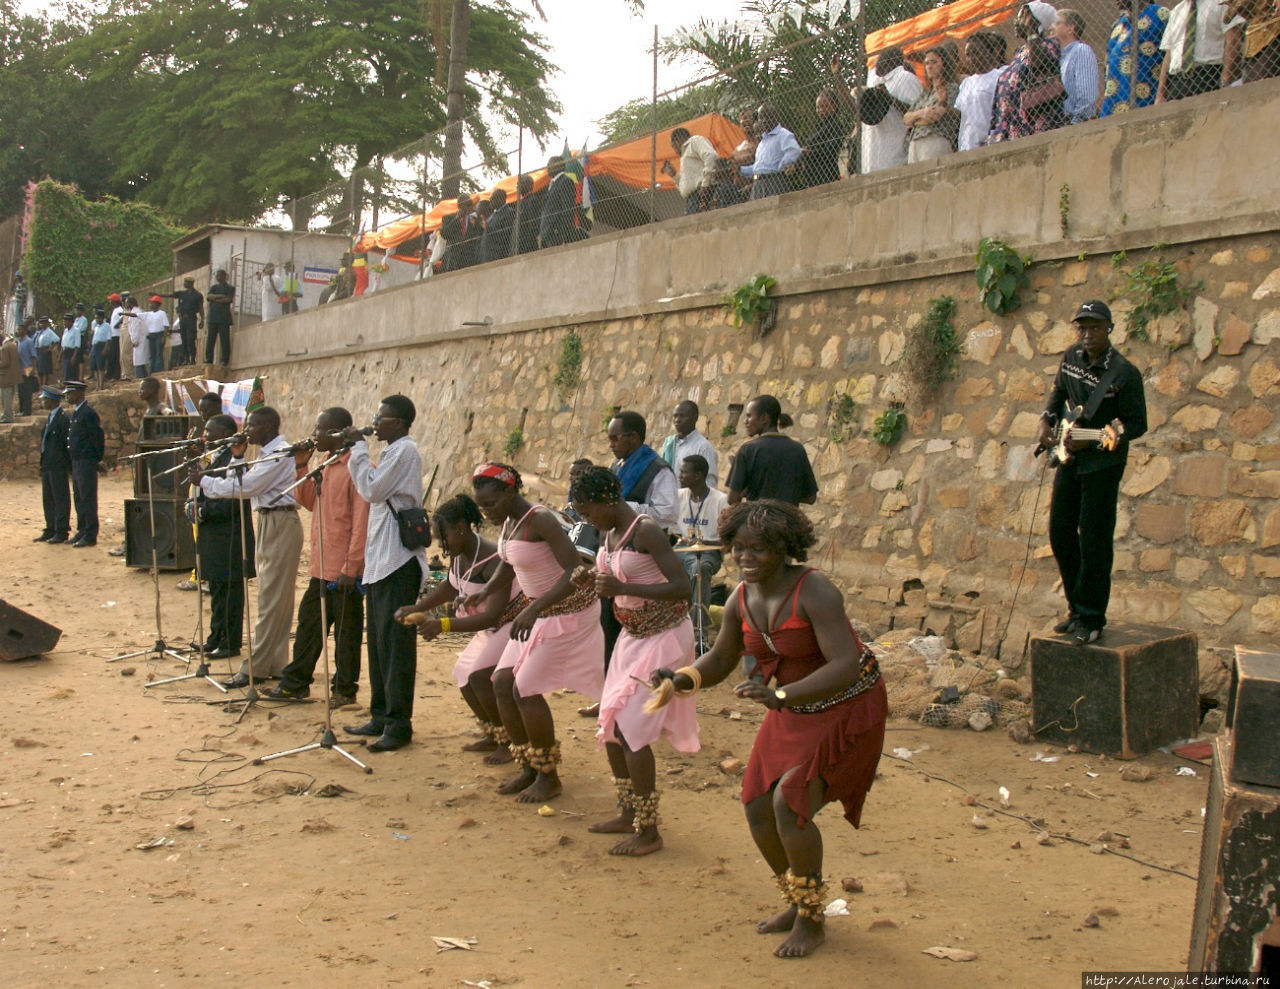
(556, 640)
(636, 567)
(472, 561)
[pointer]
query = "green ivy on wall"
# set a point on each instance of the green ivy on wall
(81, 251)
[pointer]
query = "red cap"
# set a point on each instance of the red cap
(155, 298)
(113, 297)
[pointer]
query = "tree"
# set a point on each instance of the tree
(217, 110)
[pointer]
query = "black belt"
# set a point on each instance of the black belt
(277, 508)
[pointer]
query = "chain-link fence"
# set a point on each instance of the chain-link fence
(847, 94)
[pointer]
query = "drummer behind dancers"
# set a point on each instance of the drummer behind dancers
(698, 519)
(279, 539)
(392, 573)
(346, 518)
(820, 740)
(219, 524)
(556, 641)
(473, 560)
(636, 567)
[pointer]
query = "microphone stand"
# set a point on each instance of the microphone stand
(327, 739)
(159, 649)
(251, 696)
(202, 666)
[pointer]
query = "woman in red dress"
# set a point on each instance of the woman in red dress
(822, 736)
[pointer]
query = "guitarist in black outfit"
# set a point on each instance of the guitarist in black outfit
(1095, 381)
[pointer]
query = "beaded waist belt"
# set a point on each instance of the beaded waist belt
(870, 674)
(651, 618)
(516, 605)
(579, 599)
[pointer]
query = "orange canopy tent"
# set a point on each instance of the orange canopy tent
(629, 164)
(955, 20)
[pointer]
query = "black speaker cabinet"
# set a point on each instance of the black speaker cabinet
(1134, 690)
(1253, 715)
(1236, 927)
(170, 429)
(174, 543)
(152, 470)
(23, 634)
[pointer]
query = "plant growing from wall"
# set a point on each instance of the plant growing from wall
(843, 418)
(80, 250)
(933, 348)
(568, 365)
(515, 440)
(1002, 274)
(750, 304)
(889, 425)
(729, 429)
(1153, 288)
(1064, 209)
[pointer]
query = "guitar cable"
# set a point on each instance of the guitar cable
(1026, 559)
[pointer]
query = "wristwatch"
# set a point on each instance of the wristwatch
(780, 696)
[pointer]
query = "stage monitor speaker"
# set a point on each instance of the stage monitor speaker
(23, 634)
(174, 543)
(149, 470)
(168, 428)
(1236, 927)
(1137, 688)
(1253, 715)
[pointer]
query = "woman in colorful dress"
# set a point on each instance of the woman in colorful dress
(636, 566)
(1024, 104)
(472, 561)
(556, 641)
(821, 738)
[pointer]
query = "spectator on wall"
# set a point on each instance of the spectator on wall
(1196, 42)
(821, 160)
(1029, 93)
(697, 172)
(933, 122)
(499, 230)
(530, 210)
(1077, 66)
(1151, 21)
(985, 54)
(891, 90)
(776, 155)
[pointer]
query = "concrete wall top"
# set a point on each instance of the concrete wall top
(1180, 172)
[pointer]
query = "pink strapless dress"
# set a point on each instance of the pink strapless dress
(562, 651)
(622, 705)
(485, 648)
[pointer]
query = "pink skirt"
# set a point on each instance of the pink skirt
(622, 706)
(564, 651)
(481, 653)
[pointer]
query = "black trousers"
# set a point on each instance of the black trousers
(344, 615)
(187, 330)
(213, 333)
(26, 391)
(1194, 81)
(226, 622)
(393, 650)
(55, 487)
(113, 359)
(1082, 526)
(71, 364)
(611, 627)
(84, 487)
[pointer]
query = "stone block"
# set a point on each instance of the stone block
(1267, 328)
(1155, 560)
(1264, 378)
(1218, 522)
(1234, 289)
(1204, 318)
(982, 343)
(1215, 605)
(1171, 380)
(1265, 615)
(1203, 477)
(1219, 382)
(1141, 479)
(885, 480)
(1024, 385)
(1271, 529)
(1161, 523)
(953, 497)
(971, 389)
(1234, 333)
(1189, 569)
(1025, 426)
(1057, 338)
(1197, 418)
(1075, 273)
(1254, 483)
(1150, 601)
(1266, 567)
(1251, 420)
(1222, 258)
(1268, 287)
(1019, 343)
(1234, 565)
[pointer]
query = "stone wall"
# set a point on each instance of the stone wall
(119, 408)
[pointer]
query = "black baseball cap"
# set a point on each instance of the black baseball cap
(1095, 310)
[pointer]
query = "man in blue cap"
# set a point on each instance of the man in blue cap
(55, 469)
(85, 443)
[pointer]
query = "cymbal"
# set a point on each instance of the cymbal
(699, 548)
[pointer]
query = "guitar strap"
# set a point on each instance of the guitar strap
(1100, 389)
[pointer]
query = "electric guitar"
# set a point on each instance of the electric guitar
(1107, 438)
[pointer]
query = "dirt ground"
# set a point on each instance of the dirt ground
(274, 883)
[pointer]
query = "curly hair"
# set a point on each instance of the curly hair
(781, 526)
(596, 485)
(459, 508)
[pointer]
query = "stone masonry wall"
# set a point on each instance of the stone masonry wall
(933, 532)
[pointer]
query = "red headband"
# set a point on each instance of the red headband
(496, 471)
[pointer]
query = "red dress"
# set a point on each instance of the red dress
(841, 745)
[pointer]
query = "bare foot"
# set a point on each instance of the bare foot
(545, 787)
(518, 783)
(646, 842)
(804, 937)
(618, 825)
(480, 745)
(500, 756)
(778, 923)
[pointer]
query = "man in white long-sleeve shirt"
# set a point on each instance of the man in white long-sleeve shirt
(279, 542)
(392, 573)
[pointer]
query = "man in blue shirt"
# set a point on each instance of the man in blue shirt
(71, 339)
(1078, 66)
(776, 155)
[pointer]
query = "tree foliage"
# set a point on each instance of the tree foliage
(81, 250)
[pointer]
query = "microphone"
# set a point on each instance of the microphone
(307, 444)
(235, 440)
(364, 431)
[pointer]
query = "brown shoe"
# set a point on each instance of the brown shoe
(590, 712)
(340, 700)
